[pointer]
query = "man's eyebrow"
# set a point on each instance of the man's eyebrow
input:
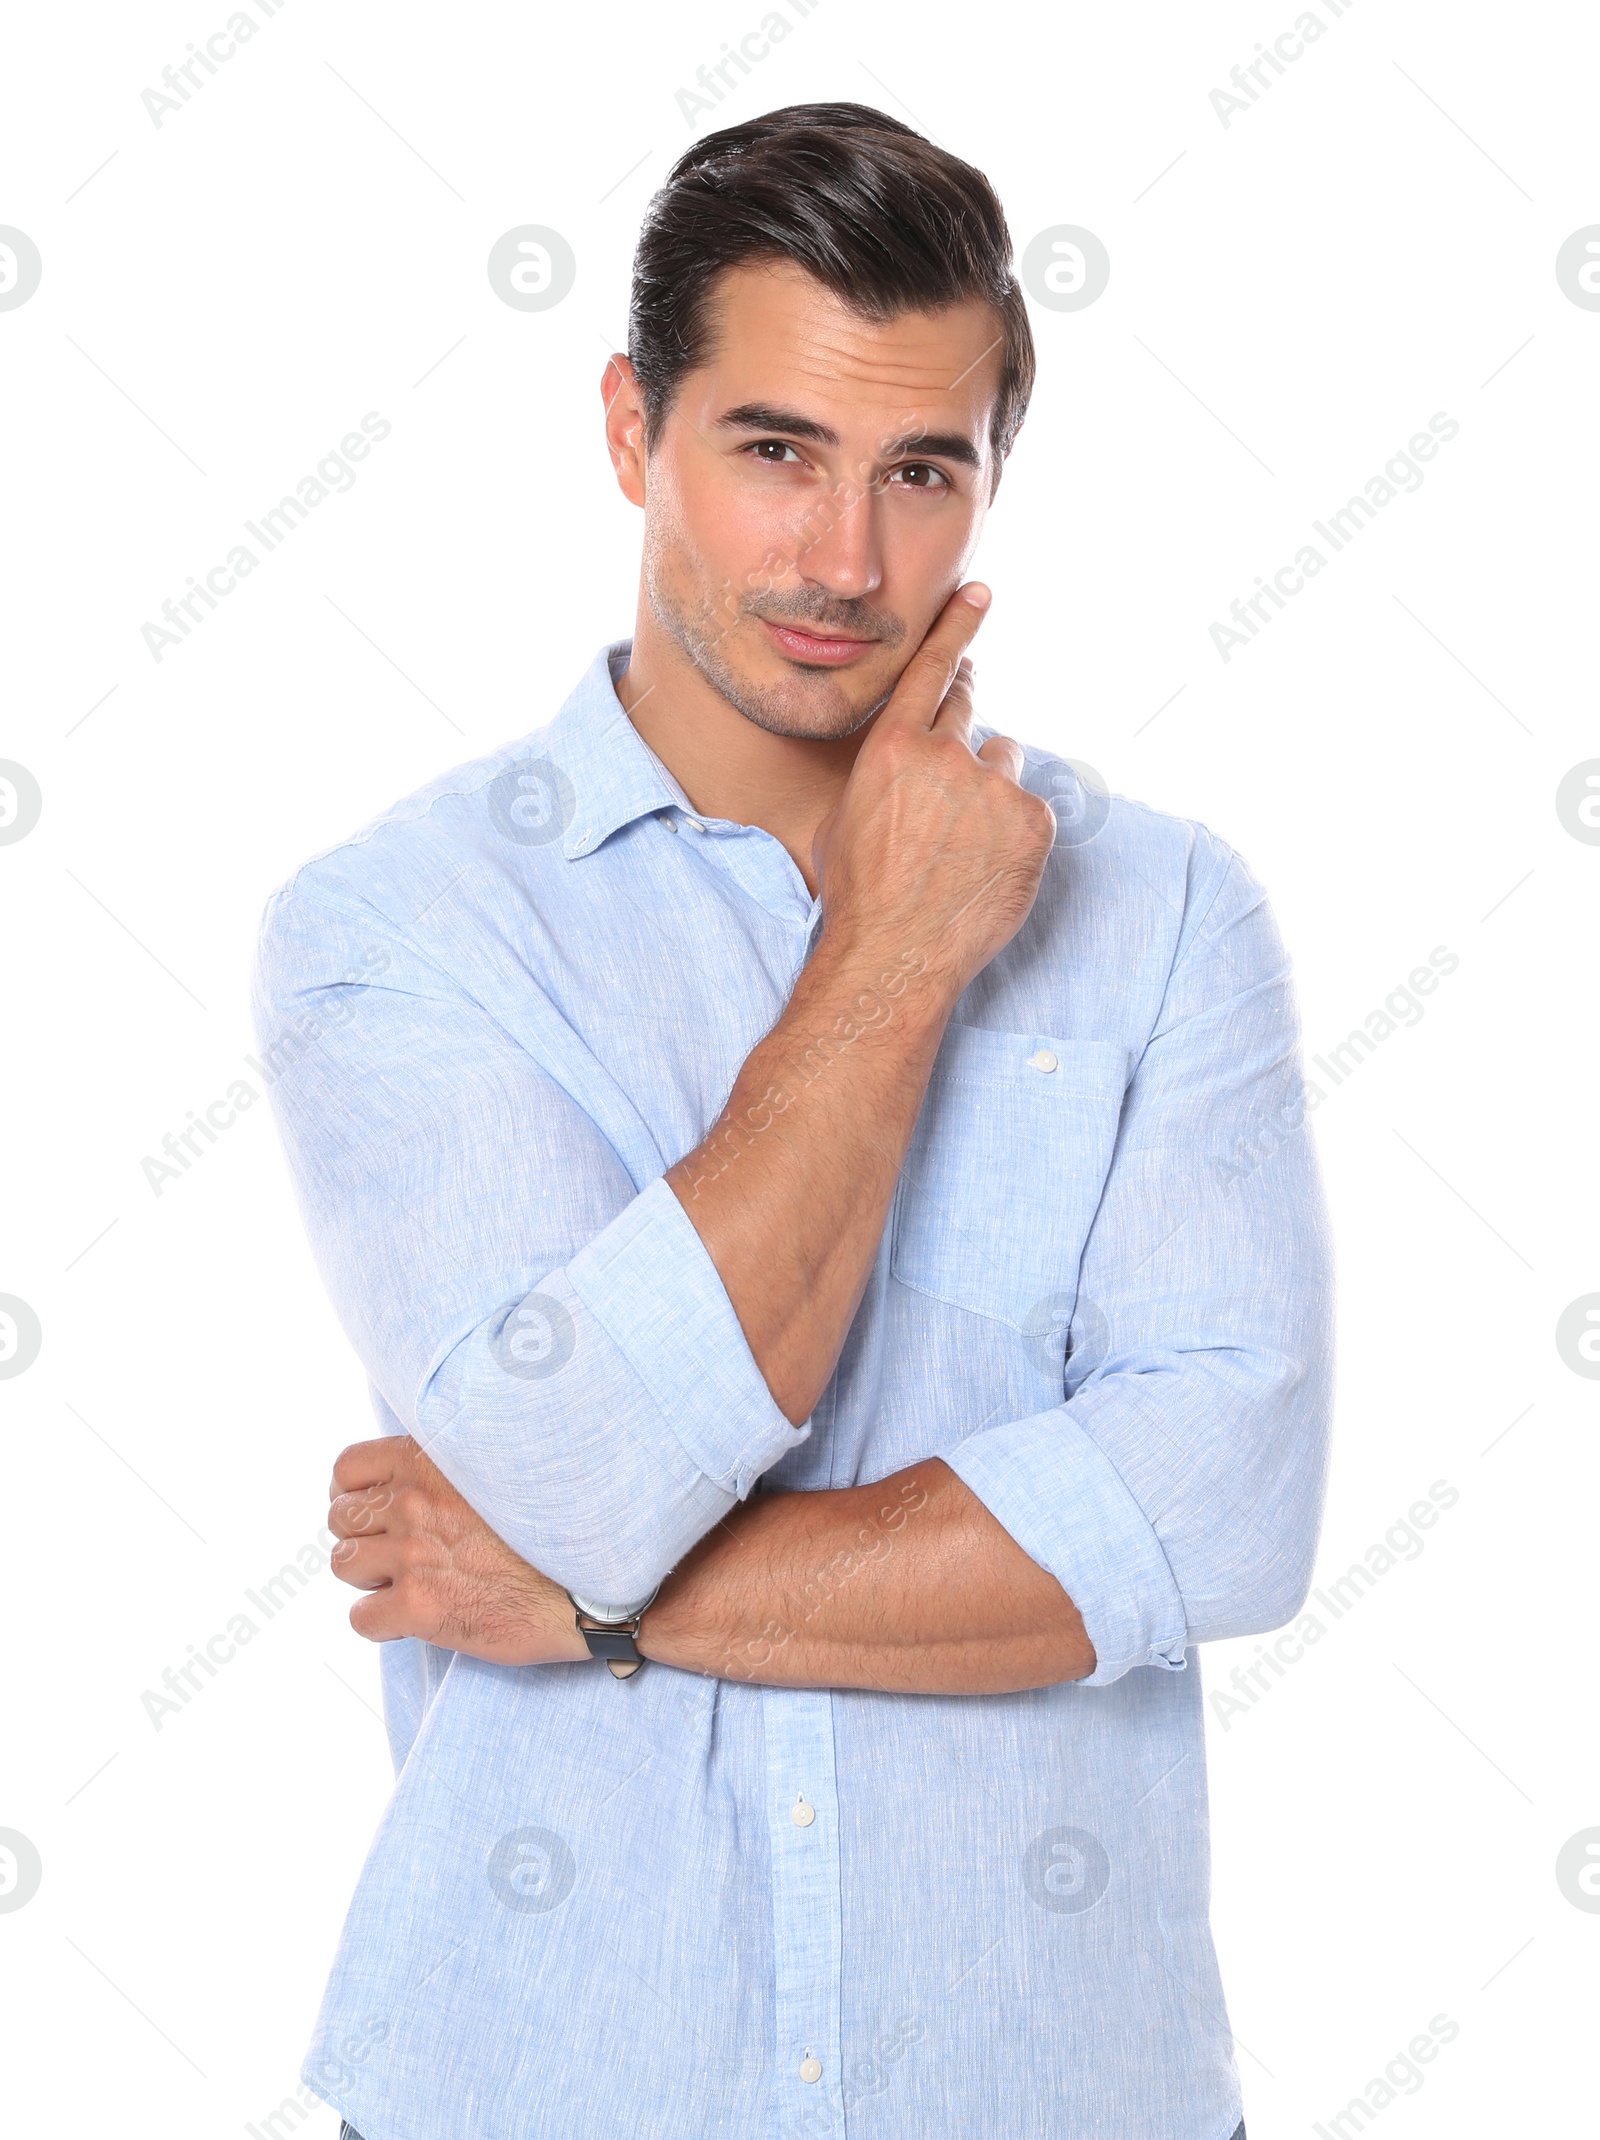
(938, 445)
(762, 416)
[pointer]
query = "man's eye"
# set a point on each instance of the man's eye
(919, 476)
(772, 450)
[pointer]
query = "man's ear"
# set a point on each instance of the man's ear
(624, 404)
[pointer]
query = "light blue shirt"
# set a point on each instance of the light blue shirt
(681, 1908)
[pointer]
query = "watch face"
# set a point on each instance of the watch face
(611, 1612)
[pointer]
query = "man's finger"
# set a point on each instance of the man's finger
(931, 670)
(385, 1616)
(954, 717)
(362, 1515)
(366, 1464)
(365, 1563)
(1005, 756)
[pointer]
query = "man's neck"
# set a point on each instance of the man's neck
(727, 766)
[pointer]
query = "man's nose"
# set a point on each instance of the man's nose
(840, 546)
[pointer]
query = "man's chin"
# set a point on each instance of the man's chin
(814, 707)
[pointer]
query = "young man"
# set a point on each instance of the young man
(823, 1202)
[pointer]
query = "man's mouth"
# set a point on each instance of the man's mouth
(830, 650)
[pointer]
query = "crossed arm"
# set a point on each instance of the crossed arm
(929, 866)
(907, 1586)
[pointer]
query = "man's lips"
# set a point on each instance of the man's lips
(815, 647)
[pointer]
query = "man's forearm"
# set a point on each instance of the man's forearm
(789, 1188)
(909, 1585)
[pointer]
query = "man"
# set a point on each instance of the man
(822, 1197)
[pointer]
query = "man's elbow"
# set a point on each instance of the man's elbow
(1255, 1593)
(1252, 1570)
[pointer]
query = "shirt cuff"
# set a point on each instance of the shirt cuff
(1065, 1503)
(650, 1285)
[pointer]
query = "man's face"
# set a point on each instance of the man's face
(816, 491)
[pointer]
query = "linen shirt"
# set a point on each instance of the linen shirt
(692, 1908)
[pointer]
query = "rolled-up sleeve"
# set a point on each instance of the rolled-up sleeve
(552, 1332)
(1176, 1494)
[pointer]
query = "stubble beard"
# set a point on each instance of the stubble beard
(814, 707)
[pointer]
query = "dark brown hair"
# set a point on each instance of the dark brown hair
(875, 212)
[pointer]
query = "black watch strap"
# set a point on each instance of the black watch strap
(616, 1641)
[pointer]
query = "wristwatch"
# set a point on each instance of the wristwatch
(611, 1631)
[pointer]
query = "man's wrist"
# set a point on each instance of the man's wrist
(610, 1633)
(675, 1630)
(874, 983)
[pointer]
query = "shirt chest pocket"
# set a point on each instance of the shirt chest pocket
(1006, 1166)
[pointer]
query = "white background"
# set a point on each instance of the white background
(1292, 296)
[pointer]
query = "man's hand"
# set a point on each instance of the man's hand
(932, 848)
(928, 866)
(433, 1566)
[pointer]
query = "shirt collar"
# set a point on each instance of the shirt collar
(615, 776)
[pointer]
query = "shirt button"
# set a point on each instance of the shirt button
(810, 2068)
(695, 824)
(801, 1814)
(1044, 1060)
